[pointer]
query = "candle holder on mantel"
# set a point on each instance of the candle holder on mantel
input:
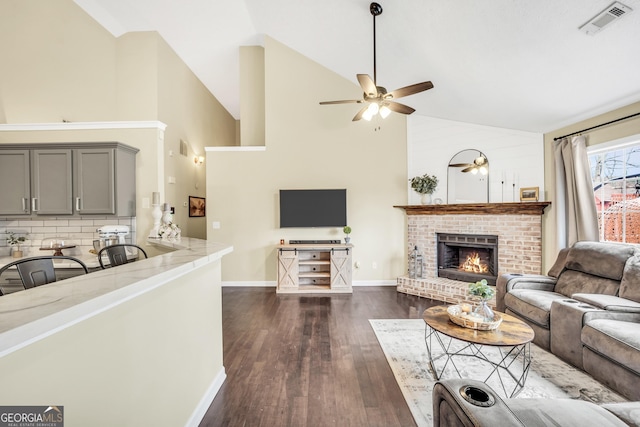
(156, 213)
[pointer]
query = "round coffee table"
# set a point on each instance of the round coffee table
(505, 350)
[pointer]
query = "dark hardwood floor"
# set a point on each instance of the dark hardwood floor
(309, 360)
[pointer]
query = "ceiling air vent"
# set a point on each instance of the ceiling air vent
(614, 12)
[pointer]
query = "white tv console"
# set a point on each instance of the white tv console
(311, 268)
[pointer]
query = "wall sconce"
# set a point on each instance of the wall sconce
(198, 160)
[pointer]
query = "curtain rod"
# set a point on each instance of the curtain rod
(597, 126)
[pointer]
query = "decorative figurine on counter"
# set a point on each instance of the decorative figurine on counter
(168, 230)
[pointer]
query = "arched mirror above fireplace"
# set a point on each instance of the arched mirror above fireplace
(468, 178)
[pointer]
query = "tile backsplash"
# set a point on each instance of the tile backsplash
(76, 231)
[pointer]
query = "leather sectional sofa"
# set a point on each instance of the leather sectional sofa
(465, 402)
(585, 311)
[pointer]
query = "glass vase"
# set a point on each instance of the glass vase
(484, 311)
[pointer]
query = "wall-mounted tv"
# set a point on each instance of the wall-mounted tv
(313, 208)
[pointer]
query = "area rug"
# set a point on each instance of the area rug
(402, 341)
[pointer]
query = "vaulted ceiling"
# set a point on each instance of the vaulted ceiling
(514, 64)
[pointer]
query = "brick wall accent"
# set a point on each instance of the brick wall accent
(519, 249)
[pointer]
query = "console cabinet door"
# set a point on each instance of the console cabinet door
(94, 181)
(15, 182)
(52, 184)
(340, 268)
(287, 269)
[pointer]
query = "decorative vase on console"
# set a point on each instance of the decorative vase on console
(484, 293)
(347, 231)
(424, 185)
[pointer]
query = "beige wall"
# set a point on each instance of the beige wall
(252, 108)
(594, 137)
(311, 146)
(58, 63)
(193, 115)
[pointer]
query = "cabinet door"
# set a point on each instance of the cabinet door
(94, 181)
(14, 182)
(51, 182)
(287, 269)
(340, 268)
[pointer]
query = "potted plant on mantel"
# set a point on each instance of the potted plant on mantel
(16, 241)
(424, 185)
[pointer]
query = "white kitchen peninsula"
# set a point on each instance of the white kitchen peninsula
(140, 344)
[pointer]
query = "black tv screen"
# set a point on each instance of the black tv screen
(313, 208)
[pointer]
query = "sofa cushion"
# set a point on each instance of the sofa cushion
(609, 302)
(558, 266)
(630, 284)
(616, 340)
(572, 282)
(561, 412)
(532, 305)
(604, 259)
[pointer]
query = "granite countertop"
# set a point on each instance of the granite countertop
(30, 315)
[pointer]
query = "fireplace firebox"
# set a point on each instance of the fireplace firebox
(467, 257)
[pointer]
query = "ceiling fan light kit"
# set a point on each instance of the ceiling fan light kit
(378, 100)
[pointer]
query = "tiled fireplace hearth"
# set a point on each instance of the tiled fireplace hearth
(518, 227)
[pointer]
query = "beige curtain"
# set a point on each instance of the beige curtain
(575, 203)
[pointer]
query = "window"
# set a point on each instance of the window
(615, 173)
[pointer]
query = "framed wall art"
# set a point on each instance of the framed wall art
(529, 194)
(197, 206)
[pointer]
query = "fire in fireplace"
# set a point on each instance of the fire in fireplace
(467, 257)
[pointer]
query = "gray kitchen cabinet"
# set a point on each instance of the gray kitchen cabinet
(105, 180)
(15, 182)
(68, 179)
(51, 182)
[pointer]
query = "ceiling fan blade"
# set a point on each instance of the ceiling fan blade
(409, 90)
(399, 108)
(460, 165)
(346, 101)
(360, 113)
(368, 86)
(469, 169)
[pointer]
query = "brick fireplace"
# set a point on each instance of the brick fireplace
(517, 226)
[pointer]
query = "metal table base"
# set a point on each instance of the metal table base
(509, 365)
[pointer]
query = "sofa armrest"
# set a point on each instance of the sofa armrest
(450, 408)
(507, 282)
(609, 302)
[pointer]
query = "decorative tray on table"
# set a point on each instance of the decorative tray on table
(470, 320)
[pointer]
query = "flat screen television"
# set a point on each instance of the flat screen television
(313, 208)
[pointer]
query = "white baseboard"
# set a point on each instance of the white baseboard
(256, 284)
(270, 284)
(207, 399)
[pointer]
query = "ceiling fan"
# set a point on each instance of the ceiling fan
(480, 164)
(376, 97)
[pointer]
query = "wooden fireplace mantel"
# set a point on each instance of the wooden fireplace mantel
(522, 208)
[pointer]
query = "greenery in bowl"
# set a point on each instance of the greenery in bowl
(425, 184)
(481, 289)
